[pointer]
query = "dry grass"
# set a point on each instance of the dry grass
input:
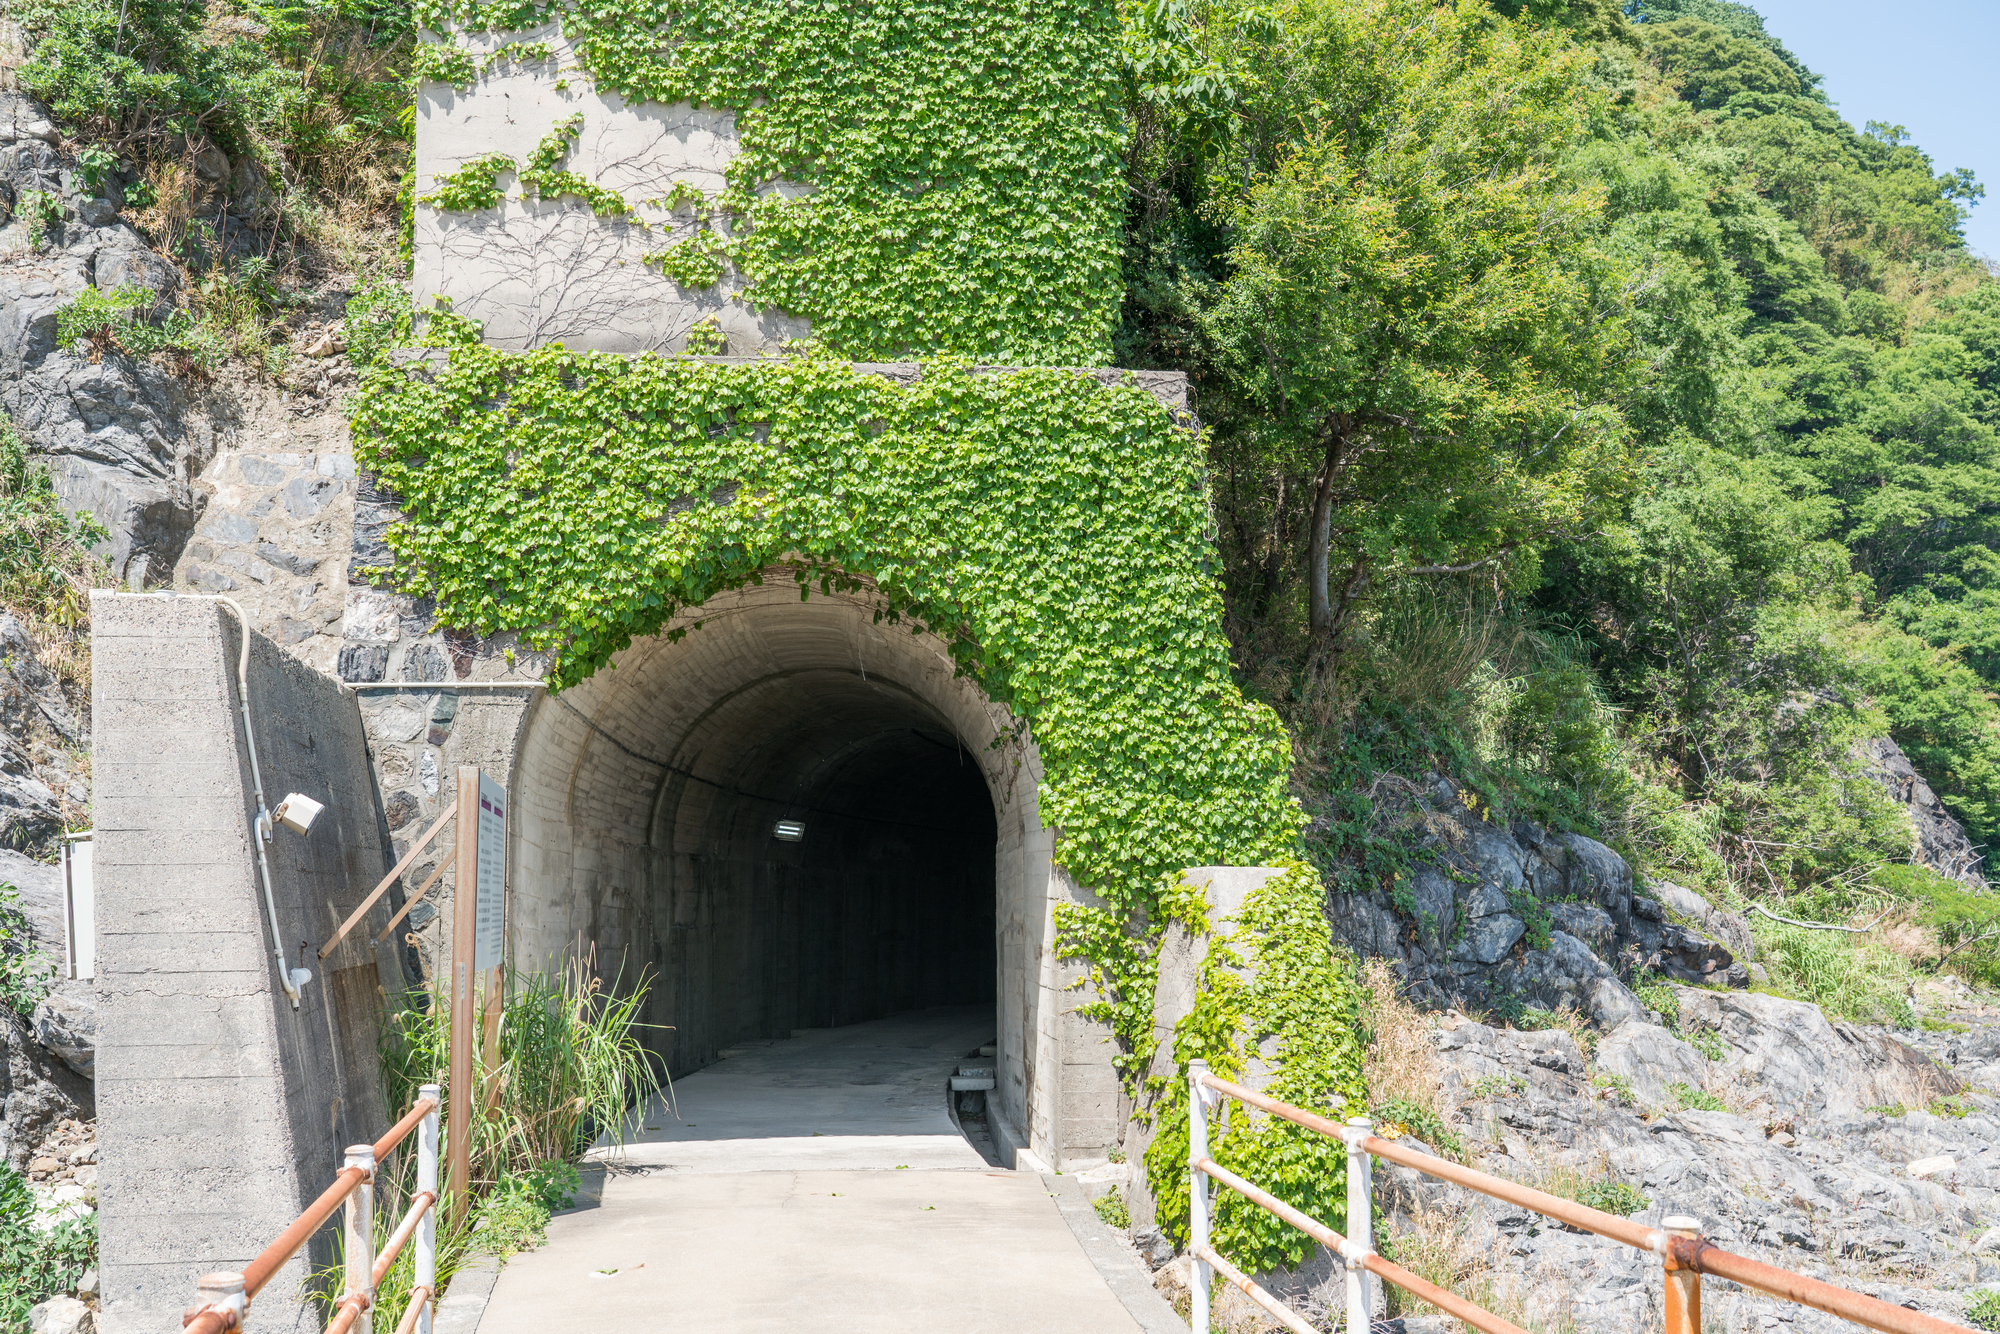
(1402, 1061)
(1445, 1248)
(166, 219)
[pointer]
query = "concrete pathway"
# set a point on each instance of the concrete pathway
(813, 1184)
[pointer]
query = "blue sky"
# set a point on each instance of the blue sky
(1931, 66)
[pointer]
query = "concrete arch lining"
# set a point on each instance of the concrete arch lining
(644, 802)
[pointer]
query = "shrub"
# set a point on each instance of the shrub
(1830, 970)
(1110, 1207)
(1613, 1197)
(1985, 1312)
(571, 1065)
(378, 318)
(24, 974)
(34, 1265)
(1688, 1098)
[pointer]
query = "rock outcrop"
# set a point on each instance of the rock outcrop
(1502, 916)
(1804, 1144)
(123, 438)
(40, 732)
(1940, 841)
(37, 1092)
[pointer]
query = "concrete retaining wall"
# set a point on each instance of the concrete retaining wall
(222, 1110)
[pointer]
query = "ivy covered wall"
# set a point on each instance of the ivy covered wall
(907, 179)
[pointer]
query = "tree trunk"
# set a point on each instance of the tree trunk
(1322, 619)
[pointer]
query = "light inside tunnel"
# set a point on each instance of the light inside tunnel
(663, 809)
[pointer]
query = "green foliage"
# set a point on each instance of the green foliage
(1688, 1098)
(1489, 1086)
(232, 318)
(1708, 1042)
(46, 569)
(44, 210)
(1421, 1121)
(704, 339)
(1613, 1197)
(512, 1219)
(378, 318)
(1617, 1087)
(35, 1266)
(1405, 329)
(441, 62)
(694, 263)
(128, 70)
(1110, 1207)
(96, 165)
(1049, 529)
(1305, 996)
(25, 975)
(541, 179)
(962, 162)
(1828, 969)
(472, 186)
(1985, 1311)
(571, 1066)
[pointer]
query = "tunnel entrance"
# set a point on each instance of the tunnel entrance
(842, 871)
(645, 835)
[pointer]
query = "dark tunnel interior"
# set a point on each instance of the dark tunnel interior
(882, 903)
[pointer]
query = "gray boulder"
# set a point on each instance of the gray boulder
(62, 1315)
(36, 1091)
(1801, 1064)
(65, 1021)
(1939, 839)
(111, 429)
(1651, 1060)
(41, 901)
(1727, 928)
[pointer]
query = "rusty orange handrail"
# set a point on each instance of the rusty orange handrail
(216, 1317)
(1680, 1254)
(1448, 1302)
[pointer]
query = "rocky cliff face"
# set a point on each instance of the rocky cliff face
(1800, 1142)
(1503, 916)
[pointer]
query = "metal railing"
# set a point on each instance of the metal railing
(1684, 1256)
(224, 1297)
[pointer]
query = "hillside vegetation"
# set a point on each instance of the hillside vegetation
(1595, 416)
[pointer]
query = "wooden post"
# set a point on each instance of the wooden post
(464, 926)
(489, 1055)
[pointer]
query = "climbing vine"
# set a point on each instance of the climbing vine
(1298, 1013)
(960, 163)
(1050, 529)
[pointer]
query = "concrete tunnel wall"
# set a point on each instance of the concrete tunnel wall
(643, 807)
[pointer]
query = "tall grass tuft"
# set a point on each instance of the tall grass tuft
(571, 1066)
(1843, 978)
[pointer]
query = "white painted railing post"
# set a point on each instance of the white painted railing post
(358, 1239)
(425, 1276)
(1360, 1223)
(1197, 1195)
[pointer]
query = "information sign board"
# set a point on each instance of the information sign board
(489, 931)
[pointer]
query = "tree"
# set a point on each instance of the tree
(1408, 338)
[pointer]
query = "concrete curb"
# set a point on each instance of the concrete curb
(1116, 1263)
(464, 1303)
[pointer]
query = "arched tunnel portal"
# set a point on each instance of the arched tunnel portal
(652, 808)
